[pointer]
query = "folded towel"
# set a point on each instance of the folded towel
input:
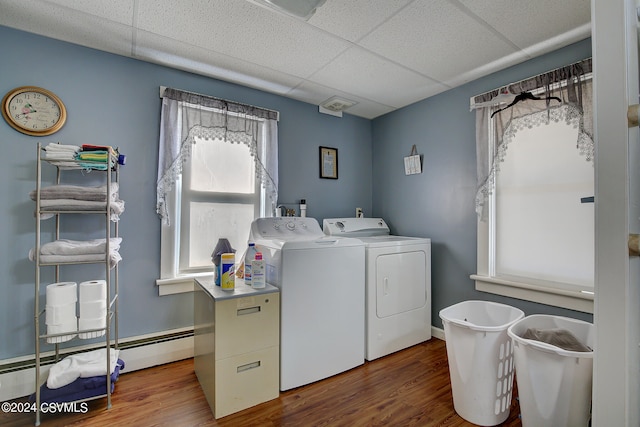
(81, 365)
(63, 155)
(64, 163)
(101, 166)
(116, 207)
(114, 258)
(52, 147)
(81, 388)
(64, 250)
(76, 192)
(89, 147)
(79, 247)
(93, 155)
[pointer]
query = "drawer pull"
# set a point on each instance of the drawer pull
(250, 310)
(248, 366)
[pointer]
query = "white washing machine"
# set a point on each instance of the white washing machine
(321, 281)
(398, 284)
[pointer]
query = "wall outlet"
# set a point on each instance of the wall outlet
(359, 213)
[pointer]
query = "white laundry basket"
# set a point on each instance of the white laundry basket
(480, 355)
(554, 385)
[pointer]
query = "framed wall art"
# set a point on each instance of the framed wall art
(328, 163)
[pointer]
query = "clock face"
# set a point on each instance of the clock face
(33, 111)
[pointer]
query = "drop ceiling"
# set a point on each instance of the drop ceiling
(381, 54)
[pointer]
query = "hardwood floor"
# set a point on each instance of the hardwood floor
(407, 388)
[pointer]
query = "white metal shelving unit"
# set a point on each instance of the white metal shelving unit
(111, 274)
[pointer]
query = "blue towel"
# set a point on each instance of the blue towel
(82, 388)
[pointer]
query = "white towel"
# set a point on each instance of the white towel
(116, 206)
(114, 258)
(55, 147)
(65, 250)
(82, 365)
(79, 247)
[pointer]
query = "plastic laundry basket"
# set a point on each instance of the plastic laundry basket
(554, 385)
(480, 357)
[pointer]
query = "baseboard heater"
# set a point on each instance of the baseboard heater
(49, 357)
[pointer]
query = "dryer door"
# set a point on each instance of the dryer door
(400, 282)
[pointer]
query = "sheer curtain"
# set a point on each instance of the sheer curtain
(186, 116)
(567, 83)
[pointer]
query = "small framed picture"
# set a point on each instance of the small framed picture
(328, 162)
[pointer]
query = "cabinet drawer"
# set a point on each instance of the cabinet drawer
(243, 325)
(246, 380)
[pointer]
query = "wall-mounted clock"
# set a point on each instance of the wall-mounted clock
(33, 111)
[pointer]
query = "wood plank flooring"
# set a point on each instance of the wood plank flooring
(407, 388)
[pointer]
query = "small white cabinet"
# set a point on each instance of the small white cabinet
(236, 345)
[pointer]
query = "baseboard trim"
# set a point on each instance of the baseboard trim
(437, 333)
(17, 376)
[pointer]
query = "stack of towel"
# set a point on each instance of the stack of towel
(86, 156)
(61, 155)
(78, 198)
(80, 376)
(96, 156)
(64, 250)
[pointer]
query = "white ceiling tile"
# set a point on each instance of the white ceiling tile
(114, 10)
(367, 75)
(46, 19)
(161, 50)
(244, 31)
(337, 17)
(435, 39)
(369, 110)
(526, 22)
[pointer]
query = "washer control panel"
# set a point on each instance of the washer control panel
(285, 228)
(354, 227)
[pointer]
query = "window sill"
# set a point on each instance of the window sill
(570, 299)
(179, 285)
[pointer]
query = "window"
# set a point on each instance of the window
(220, 186)
(536, 225)
(220, 198)
(542, 229)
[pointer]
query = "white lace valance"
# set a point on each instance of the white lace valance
(186, 117)
(575, 108)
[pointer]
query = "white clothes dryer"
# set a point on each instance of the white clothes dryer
(398, 284)
(321, 281)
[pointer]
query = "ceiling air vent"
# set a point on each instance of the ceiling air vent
(336, 105)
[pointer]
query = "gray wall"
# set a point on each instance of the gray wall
(112, 100)
(439, 203)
